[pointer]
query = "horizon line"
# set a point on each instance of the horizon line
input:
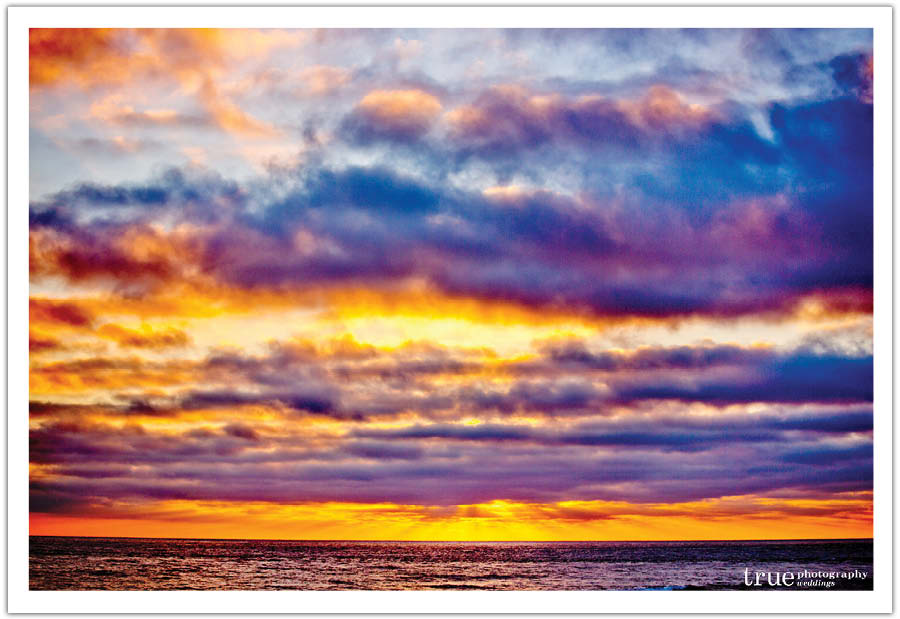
(461, 541)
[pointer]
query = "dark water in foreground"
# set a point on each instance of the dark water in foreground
(125, 563)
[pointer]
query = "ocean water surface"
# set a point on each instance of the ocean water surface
(81, 563)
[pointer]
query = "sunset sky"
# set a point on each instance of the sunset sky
(451, 284)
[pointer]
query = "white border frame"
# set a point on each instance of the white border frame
(20, 600)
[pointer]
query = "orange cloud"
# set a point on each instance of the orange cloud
(53, 52)
(409, 111)
(144, 338)
(55, 312)
(467, 119)
(663, 108)
(137, 254)
(38, 343)
(193, 58)
(228, 116)
(93, 57)
(97, 373)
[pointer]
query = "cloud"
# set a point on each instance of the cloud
(574, 352)
(52, 51)
(312, 402)
(110, 257)
(117, 146)
(399, 115)
(668, 433)
(668, 459)
(507, 118)
(127, 116)
(375, 450)
(145, 338)
(353, 384)
(238, 339)
(800, 377)
(52, 311)
(662, 108)
(853, 73)
(699, 236)
(243, 431)
(192, 58)
(37, 344)
(320, 80)
(228, 116)
(92, 57)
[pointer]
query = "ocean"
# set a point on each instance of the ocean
(82, 563)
